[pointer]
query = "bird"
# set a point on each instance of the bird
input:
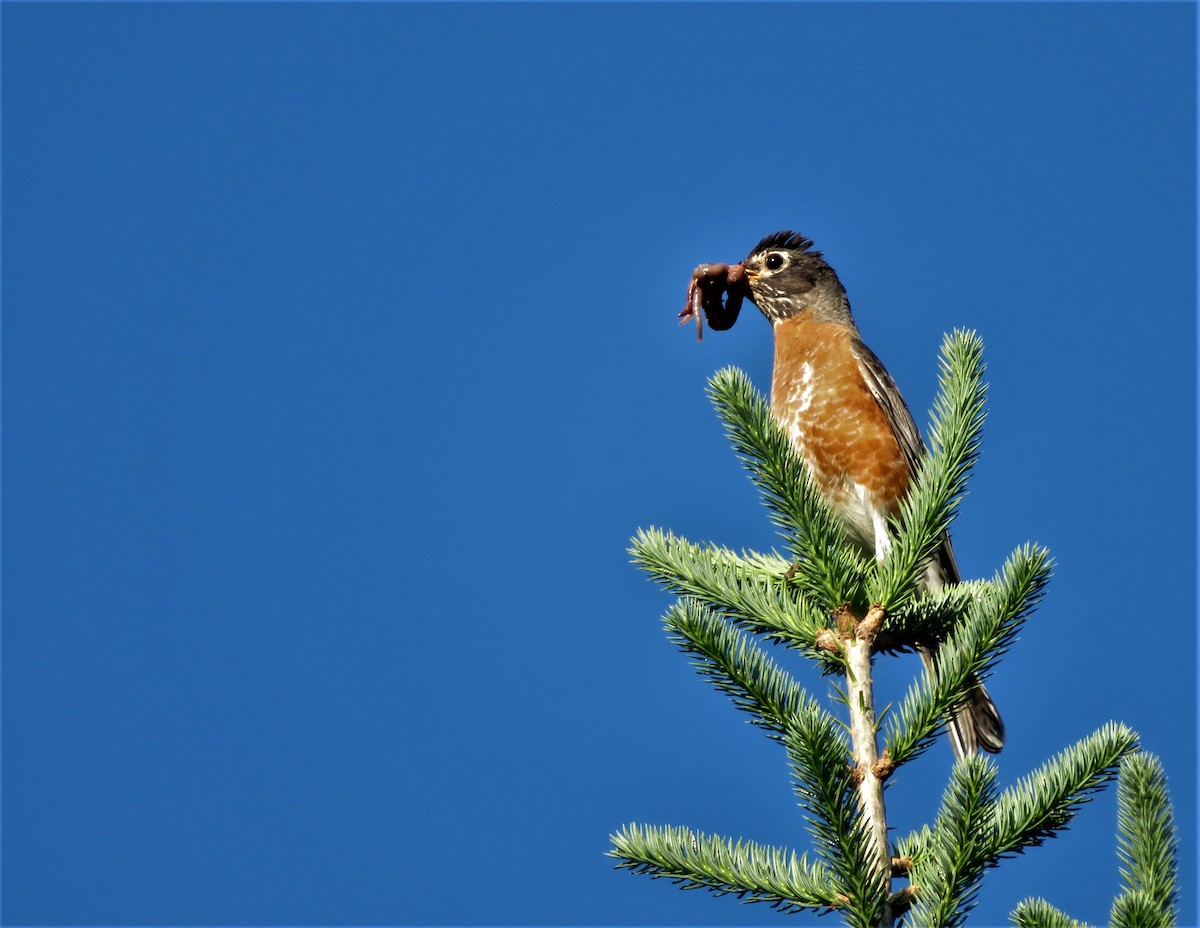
(848, 420)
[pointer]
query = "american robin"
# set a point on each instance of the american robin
(849, 422)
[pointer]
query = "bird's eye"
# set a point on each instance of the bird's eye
(774, 261)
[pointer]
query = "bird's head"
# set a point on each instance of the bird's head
(785, 278)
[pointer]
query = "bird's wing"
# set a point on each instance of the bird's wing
(904, 427)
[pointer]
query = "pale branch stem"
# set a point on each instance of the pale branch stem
(857, 647)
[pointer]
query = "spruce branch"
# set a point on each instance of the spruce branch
(747, 588)
(825, 786)
(930, 619)
(738, 667)
(1139, 909)
(1147, 846)
(826, 565)
(1038, 913)
(753, 872)
(993, 618)
(817, 750)
(1044, 802)
(946, 877)
(941, 478)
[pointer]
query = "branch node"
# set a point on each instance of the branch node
(845, 620)
(826, 641)
(902, 901)
(872, 622)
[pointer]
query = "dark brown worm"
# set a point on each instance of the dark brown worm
(709, 284)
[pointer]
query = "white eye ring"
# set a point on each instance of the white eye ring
(774, 261)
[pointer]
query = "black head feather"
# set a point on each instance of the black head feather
(802, 281)
(786, 239)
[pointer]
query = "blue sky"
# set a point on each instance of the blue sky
(340, 363)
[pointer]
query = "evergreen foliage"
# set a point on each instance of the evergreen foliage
(1147, 844)
(824, 598)
(1147, 849)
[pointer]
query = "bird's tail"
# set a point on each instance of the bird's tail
(976, 726)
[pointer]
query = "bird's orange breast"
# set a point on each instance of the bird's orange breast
(819, 396)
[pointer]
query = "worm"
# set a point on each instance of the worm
(709, 284)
